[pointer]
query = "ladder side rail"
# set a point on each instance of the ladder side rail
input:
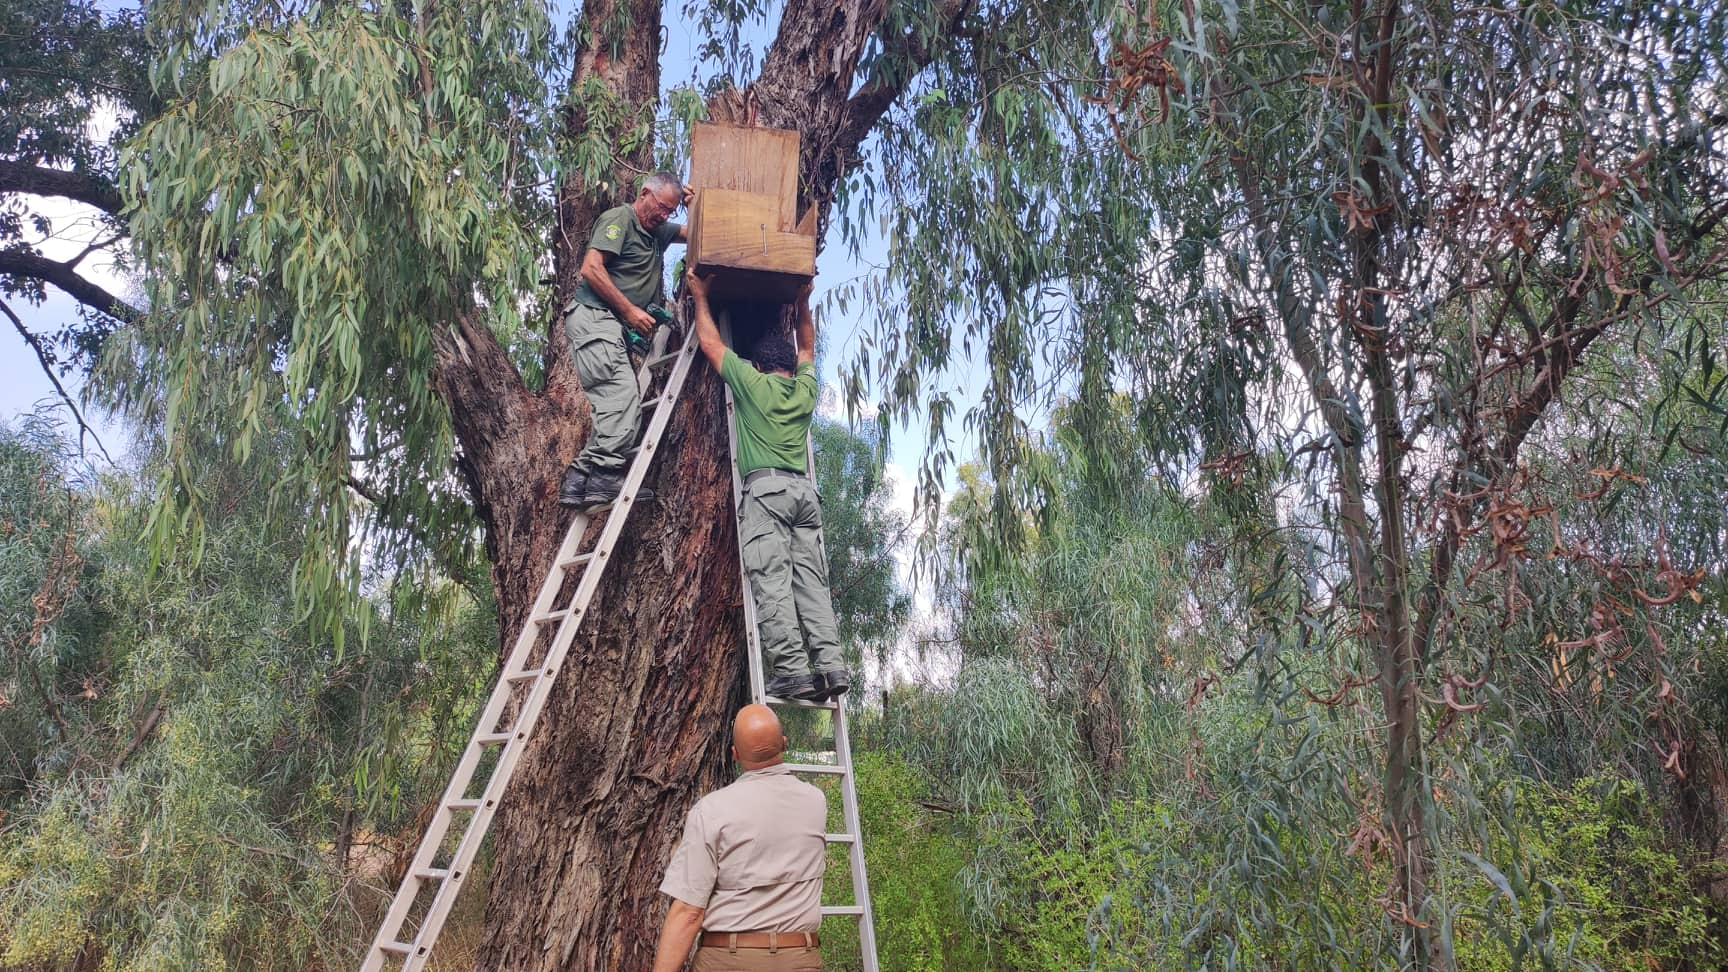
(753, 636)
(438, 828)
(527, 718)
(855, 852)
(848, 783)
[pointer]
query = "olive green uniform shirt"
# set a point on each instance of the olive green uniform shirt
(634, 257)
(753, 854)
(773, 414)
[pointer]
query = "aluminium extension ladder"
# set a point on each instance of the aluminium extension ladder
(522, 671)
(853, 836)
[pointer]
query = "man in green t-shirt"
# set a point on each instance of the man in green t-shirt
(780, 518)
(622, 275)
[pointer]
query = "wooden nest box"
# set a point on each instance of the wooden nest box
(744, 230)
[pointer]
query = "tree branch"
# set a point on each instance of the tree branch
(1573, 340)
(39, 180)
(902, 58)
(47, 362)
(143, 732)
(24, 263)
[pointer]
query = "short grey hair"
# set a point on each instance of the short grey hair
(663, 180)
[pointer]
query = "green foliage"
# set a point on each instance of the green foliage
(861, 532)
(45, 615)
(1617, 895)
(1365, 278)
(230, 766)
(66, 62)
(325, 201)
(1264, 843)
(914, 857)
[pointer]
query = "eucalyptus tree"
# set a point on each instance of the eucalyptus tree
(365, 217)
(1394, 246)
(74, 91)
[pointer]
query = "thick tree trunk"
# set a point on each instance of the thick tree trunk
(635, 729)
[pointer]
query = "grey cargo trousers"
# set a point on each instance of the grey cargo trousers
(603, 366)
(780, 531)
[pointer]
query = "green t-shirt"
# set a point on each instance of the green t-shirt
(633, 257)
(773, 414)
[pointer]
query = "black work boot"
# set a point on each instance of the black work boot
(604, 485)
(570, 490)
(835, 682)
(794, 687)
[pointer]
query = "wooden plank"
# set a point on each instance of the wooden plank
(736, 230)
(807, 225)
(759, 160)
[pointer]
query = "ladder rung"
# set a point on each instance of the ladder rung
(525, 675)
(432, 873)
(577, 560)
(552, 617)
(399, 948)
(796, 703)
(661, 359)
(492, 738)
(840, 838)
(816, 768)
(855, 911)
(462, 804)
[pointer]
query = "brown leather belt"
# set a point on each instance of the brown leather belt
(716, 939)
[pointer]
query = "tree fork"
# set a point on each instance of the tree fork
(634, 733)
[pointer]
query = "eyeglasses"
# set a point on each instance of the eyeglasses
(660, 207)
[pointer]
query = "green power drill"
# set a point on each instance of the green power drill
(639, 342)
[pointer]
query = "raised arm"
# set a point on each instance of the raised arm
(707, 335)
(806, 326)
(684, 228)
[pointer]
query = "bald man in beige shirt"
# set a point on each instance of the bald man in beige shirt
(747, 875)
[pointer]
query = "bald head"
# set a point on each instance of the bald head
(756, 737)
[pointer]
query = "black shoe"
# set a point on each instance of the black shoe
(570, 490)
(835, 683)
(792, 687)
(604, 485)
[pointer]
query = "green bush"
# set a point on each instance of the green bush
(1614, 895)
(1072, 912)
(914, 859)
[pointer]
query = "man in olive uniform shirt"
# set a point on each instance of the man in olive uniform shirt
(780, 522)
(623, 273)
(747, 875)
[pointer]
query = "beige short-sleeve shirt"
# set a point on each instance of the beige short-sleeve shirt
(753, 854)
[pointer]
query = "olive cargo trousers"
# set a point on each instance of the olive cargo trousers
(780, 532)
(603, 366)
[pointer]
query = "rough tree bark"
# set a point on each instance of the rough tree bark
(634, 732)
